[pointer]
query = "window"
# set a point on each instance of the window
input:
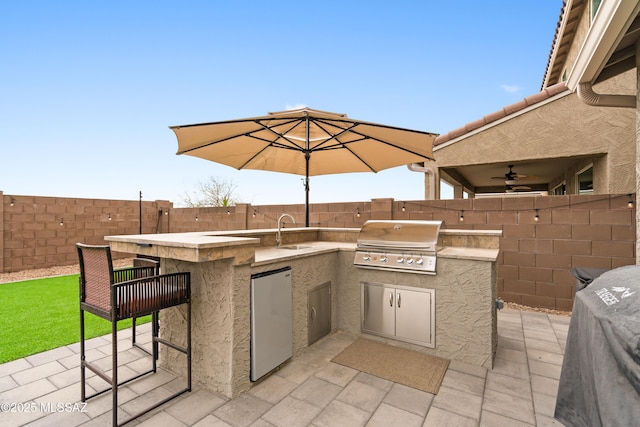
(584, 181)
(595, 5)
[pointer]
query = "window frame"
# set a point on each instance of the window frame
(577, 175)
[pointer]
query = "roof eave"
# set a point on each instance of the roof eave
(611, 22)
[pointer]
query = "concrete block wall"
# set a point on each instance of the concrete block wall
(534, 265)
(39, 232)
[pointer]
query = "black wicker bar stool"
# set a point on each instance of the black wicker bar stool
(123, 294)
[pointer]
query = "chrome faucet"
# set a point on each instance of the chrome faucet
(279, 235)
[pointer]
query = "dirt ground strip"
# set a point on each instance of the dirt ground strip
(65, 270)
(75, 269)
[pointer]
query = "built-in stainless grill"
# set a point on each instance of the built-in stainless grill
(408, 246)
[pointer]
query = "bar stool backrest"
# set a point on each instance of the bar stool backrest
(96, 276)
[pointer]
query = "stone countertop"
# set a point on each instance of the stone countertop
(208, 246)
(200, 240)
(269, 254)
(265, 255)
(478, 254)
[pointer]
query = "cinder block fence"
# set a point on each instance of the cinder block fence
(543, 236)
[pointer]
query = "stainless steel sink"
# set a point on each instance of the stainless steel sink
(295, 247)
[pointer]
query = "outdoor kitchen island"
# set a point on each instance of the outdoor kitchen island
(222, 264)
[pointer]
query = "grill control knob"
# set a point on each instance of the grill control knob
(400, 260)
(383, 258)
(410, 261)
(366, 258)
(419, 261)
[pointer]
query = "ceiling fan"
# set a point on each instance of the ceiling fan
(511, 178)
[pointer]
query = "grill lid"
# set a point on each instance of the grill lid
(392, 234)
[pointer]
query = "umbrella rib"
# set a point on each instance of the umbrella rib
(295, 123)
(352, 128)
(365, 137)
(329, 134)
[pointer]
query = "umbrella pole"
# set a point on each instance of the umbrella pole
(307, 156)
(306, 190)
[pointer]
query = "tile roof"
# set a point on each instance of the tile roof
(504, 112)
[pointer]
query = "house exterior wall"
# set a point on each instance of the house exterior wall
(565, 127)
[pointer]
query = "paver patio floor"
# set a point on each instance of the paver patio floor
(44, 390)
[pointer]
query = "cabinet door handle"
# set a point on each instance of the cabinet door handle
(390, 299)
(399, 299)
(313, 314)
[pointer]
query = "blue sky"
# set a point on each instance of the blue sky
(88, 90)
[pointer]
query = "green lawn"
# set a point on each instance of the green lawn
(38, 315)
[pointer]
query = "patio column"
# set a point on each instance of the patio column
(458, 191)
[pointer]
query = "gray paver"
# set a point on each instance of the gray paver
(544, 385)
(162, 419)
(317, 392)
(508, 384)
(273, 389)
(243, 410)
(341, 414)
(14, 366)
(509, 405)
(490, 419)
(442, 418)
(337, 374)
(291, 412)
(409, 399)
(49, 356)
(194, 406)
(520, 390)
(38, 372)
(391, 416)
(361, 396)
(459, 402)
(464, 382)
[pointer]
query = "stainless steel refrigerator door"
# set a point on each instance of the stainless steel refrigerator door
(271, 322)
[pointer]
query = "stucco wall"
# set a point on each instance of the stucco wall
(562, 128)
(221, 300)
(464, 304)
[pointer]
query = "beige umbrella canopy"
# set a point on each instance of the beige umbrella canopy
(305, 142)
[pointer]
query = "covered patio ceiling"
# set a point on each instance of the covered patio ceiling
(490, 177)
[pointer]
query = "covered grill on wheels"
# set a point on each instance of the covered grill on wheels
(407, 246)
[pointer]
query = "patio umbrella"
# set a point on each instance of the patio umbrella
(304, 142)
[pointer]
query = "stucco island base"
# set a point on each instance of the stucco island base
(221, 268)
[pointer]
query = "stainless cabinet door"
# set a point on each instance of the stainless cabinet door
(378, 309)
(413, 315)
(319, 308)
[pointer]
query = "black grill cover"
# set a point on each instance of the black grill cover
(600, 378)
